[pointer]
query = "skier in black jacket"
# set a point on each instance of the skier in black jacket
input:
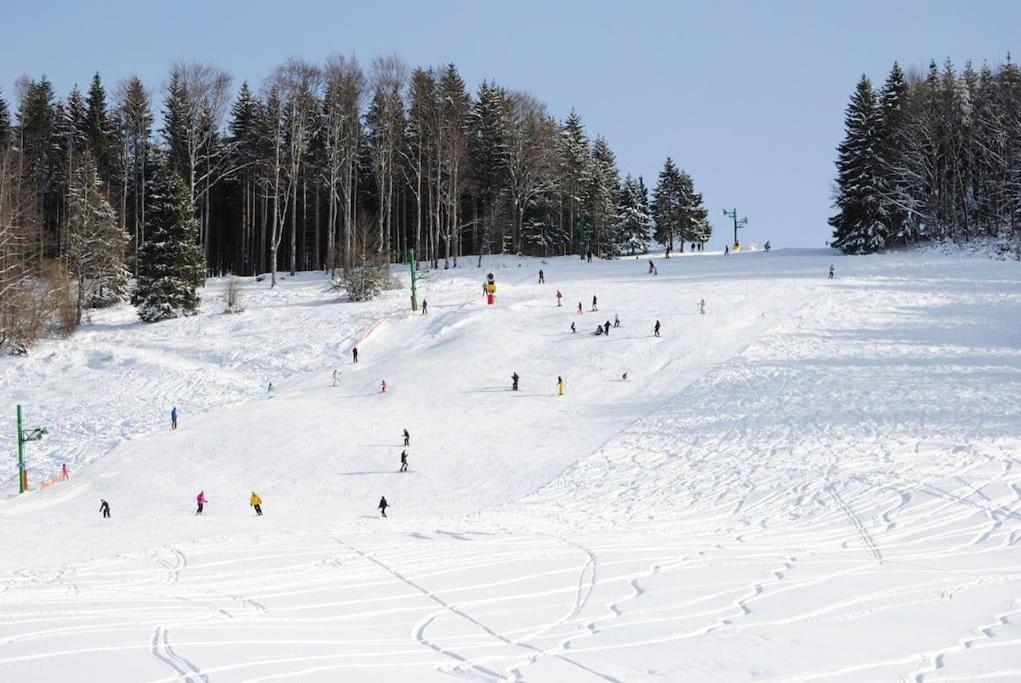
(383, 505)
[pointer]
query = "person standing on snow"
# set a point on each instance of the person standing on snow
(514, 382)
(655, 330)
(606, 328)
(425, 306)
(831, 271)
(726, 250)
(201, 500)
(382, 387)
(404, 461)
(104, 507)
(383, 505)
(594, 301)
(559, 297)
(701, 306)
(335, 376)
(173, 417)
(652, 267)
(407, 438)
(616, 320)
(269, 390)
(256, 502)
(572, 329)
(354, 354)
(542, 278)
(579, 308)
(63, 472)
(560, 386)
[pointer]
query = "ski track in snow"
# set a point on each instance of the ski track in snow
(826, 492)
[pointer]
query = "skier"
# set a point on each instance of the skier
(256, 502)
(616, 320)
(425, 306)
(560, 386)
(514, 382)
(831, 271)
(104, 507)
(701, 306)
(201, 500)
(767, 246)
(404, 461)
(559, 296)
(407, 438)
(572, 329)
(624, 377)
(542, 278)
(594, 300)
(726, 250)
(599, 331)
(579, 308)
(590, 256)
(269, 390)
(655, 330)
(63, 472)
(382, 387)
(173, 417)
(354, 354)
(652, 267)
(335, 375)
(668, 250)
(383, 505)
(606, 327)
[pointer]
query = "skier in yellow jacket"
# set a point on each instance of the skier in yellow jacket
(256, 503)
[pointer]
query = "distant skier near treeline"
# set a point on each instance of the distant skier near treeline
(201, 500)
(173, 417)
(256, 502)
(354, 354)
(514, 382)
(655, 330)
(63, 472)
(407, 438)
(383, 505)
(404, 461)
(104, 507)
(542, 278)
(425, 306)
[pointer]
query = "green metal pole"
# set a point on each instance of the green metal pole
(21, 454)
(414, 279)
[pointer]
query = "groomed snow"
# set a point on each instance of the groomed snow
(814, 480)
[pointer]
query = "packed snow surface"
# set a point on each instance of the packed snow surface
(813, 480)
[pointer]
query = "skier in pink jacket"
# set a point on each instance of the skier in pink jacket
(201, 500)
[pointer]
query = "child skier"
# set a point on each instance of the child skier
(201, 500)
(407, 438)
(383, 505)
(104, 507)
(404, 461)
(256, 502)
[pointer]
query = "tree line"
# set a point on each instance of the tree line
(932, 156)
(319, 167)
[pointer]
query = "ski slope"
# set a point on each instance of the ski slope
(814, 480)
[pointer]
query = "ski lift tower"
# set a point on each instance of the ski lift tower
(24, 436)
(738, 224)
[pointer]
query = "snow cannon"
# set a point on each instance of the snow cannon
(490, 289)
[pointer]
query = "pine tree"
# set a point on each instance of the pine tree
(695, 226)
(857, 228)
(489, 159)
(96, 243)
(576, 175)
(633, 220)
(100, 132)
(667, 205)
(5, 122)
(894, 192)
(171, 267)
(603, 193)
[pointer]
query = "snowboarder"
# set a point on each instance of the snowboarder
(354, 354)
(701, 306)
(514, 382)
(173, 417)
(560, 386)
(542, 278)
(831, 271)
(407, 438)
(201, 500)
(335, 376)
(425, 306)
(655, 330)
(383, 505)
(104, 507)
(256, 502)
(63, 472)
(382, 387)
(594, 301)
(559, 297)
(579, 308)
(404, 461)
(572, 329)
(606, 328)
(616, 320)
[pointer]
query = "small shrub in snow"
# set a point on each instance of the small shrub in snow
(232, 296)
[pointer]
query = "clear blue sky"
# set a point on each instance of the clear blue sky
(746, 96)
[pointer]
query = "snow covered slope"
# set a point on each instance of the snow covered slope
(814, 480)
